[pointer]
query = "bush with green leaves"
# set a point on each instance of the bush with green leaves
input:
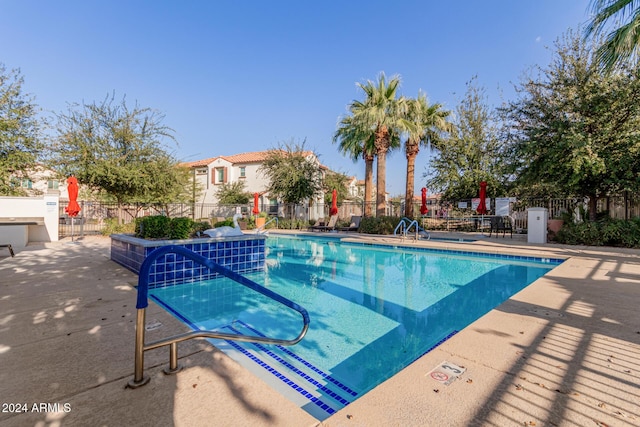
(604, 232)
(379, 225)
(163, 227)
(111, 226)
(152, 227)
(226, 223)
(199, 227)
(180, 228)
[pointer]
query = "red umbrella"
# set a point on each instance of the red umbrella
(73, 209)
(482, 206)
(334, 202)
(423, 207)
(256, 209)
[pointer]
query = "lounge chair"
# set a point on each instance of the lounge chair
(319, 223)
(330, 226)
(354, 226)
(501, 223)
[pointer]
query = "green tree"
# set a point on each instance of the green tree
(357, 142)
(120, 151)
(338, 181)
(575, 128)
(293, 173)
(233, 193)
(380, 115)
(620, 20)
(424, 125)
(471, 153)
(20, 132)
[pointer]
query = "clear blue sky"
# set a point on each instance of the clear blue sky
(237, 76)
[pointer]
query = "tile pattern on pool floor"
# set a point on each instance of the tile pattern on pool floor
(321, 396)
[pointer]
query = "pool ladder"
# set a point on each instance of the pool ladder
(143, 301)
(405, 225)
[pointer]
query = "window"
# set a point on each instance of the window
(201, 171)
(243, 172)
(26, 183)
(219, 176)
(53, 184)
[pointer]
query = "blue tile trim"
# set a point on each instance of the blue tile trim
(318, 402)
(543, 260)
(305, 363)
(324, 406)
(244, 255)
(297, 371)
(437, 344)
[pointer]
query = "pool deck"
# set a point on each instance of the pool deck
(565, 351)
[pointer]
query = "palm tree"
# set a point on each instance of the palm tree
(355, 143)
(622, 43)
(381, 114)
(423, 125)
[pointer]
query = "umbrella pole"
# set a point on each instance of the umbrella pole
(72, 229)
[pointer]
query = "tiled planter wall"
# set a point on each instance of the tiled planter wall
(241, 254)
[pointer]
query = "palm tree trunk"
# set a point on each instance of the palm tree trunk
(412, 151)
(368, 183)
(382, 146)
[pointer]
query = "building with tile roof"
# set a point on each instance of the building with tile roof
(209, 174)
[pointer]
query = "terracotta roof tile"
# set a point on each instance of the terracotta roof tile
(251, 157)
(198, 163)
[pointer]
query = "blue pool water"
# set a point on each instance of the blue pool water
(373, 309)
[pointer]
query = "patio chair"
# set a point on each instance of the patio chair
(354, 225)
(330, 226)
(501, 223)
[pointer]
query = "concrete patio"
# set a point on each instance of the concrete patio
(565, 351)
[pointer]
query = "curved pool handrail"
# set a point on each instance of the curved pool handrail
(263, 226)
(402, 225)
(143, 302)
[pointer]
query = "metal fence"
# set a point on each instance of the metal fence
(94, 216)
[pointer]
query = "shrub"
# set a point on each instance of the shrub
(163, 227)
(379, 225)
(152, 227)
(112, 227)
(605, 231)
(199, 227)
(227, 222)
(180, 228)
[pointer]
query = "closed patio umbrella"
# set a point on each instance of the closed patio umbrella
(482, 206)
(256, 209)
(423, 207)
(73, 209)
(334, 202)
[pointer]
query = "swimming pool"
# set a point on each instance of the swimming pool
(374, 309)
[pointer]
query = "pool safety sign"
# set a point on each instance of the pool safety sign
(446, 372)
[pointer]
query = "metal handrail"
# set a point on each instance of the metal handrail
(262, 227)
(402, 226)
(405, 228)
(143, 301)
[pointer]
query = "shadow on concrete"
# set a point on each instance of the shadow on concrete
(584, 363)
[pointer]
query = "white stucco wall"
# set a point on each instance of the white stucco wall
(45, 207)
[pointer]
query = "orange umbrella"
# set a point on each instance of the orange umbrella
(73, 209)
(256, 209)
(482, 206)
(423, 207)
(334, 202)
